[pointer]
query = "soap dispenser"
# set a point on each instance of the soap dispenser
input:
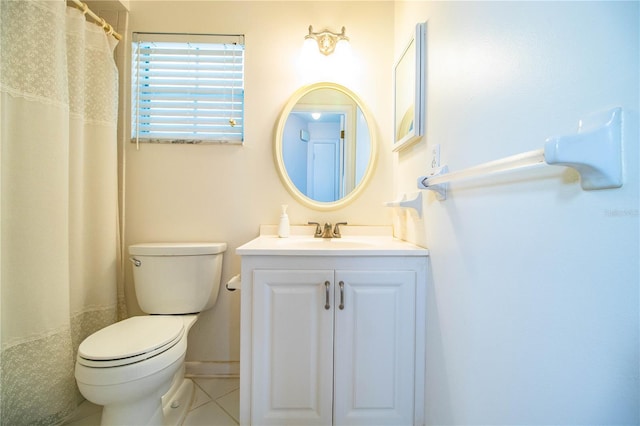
(283, 227)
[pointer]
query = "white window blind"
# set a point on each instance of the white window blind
(187, 88)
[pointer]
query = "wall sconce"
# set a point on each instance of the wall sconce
(327, 40)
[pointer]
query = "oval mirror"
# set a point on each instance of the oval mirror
(325, 146)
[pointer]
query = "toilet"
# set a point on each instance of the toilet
(135, 368)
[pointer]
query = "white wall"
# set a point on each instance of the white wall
(533, 310)
(223, 193)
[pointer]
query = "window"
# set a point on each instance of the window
(187, 88)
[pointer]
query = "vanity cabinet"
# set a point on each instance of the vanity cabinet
(333, 344)
(332, 340)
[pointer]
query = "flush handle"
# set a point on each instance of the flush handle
(341, 284)
(327, 305)
(135, 261)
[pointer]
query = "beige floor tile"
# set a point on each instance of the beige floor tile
(200, 398)
(216, 403)
(231, 404)
(218, 387)
(209, 415)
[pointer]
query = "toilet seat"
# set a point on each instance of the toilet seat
(129, 341)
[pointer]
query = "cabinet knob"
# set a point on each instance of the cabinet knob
(341, 284)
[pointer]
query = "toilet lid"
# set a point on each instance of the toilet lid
(131, 340)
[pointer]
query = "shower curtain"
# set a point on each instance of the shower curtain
(59, 241)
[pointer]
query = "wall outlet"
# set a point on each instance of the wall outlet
(435, 156)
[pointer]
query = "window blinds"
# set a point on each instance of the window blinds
(187, 88)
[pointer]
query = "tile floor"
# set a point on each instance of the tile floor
(216, 403)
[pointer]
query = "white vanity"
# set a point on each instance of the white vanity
(332, 330)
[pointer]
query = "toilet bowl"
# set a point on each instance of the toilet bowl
(128, 366)
(135, 368)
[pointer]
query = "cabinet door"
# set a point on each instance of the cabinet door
(292, 359)
(374, 348)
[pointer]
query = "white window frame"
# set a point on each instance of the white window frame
(187, 88)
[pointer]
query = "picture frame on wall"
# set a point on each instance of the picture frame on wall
(409, 91)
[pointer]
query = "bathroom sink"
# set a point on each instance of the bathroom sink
(307, 245)
(299, 243)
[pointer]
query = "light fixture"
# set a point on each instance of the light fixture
(326, 39)
(315, 115)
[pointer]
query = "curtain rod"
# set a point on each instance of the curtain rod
(100, 21)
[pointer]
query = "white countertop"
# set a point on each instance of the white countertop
(355, 241)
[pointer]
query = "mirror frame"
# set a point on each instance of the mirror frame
(417, 89)
(279, 159)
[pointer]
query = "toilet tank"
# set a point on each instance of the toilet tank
(176, 278)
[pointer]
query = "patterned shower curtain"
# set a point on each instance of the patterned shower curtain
(59, 241)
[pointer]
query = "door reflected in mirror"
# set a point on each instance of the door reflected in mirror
(324, 146)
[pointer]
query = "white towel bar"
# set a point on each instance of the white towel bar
(595, 152)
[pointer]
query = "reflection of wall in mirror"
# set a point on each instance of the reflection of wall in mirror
(363, 147)
(294, 151)
(406, 123)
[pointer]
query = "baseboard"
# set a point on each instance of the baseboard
(211, 369)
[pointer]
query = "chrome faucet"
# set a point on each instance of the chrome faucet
(327, 231)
